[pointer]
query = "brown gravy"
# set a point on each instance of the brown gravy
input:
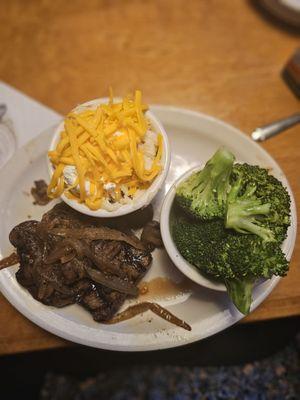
(159, 288)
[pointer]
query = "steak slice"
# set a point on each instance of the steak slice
(65, 281)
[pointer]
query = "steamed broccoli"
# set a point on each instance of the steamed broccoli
(245, 211)
(246, 246)
(236, 259)
(240, 292)
(257, 203)
(198, 242)
(248, 258)
(204, 193)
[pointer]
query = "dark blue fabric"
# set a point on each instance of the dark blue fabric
(274, 378)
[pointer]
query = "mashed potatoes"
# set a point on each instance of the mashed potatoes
(106, 156)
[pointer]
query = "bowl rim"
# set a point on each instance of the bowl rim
(149, 194)
(183, 265)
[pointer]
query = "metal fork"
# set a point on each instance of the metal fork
(272, 129)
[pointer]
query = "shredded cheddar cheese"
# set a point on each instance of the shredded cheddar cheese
(104, 145)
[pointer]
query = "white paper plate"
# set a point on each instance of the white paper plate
(194, 137)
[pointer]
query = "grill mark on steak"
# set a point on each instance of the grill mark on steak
(59, 284)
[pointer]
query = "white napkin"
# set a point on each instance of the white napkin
(28, 117)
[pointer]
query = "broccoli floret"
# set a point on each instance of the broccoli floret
(249, 258)
(236, 259)
(244, 211)
(198, 242)
(257, 203)
(249, 255)
(204, 193)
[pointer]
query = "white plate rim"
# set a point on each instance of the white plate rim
(131, 344)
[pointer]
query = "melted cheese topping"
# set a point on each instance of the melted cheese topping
(104, 145)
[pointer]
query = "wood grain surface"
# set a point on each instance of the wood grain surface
(219, 57)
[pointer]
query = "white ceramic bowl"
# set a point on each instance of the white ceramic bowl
(184, 266)
(141, 201)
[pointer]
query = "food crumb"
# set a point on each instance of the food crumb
(39, 193)
(143, 288)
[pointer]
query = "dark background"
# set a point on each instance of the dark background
(23, 374)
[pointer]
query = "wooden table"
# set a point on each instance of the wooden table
(219, 57)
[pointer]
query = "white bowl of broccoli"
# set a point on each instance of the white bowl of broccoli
(223, 226)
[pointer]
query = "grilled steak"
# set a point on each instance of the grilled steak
(60, 267)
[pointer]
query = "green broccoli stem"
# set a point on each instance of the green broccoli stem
(222, 163)
(204, 193)
(208, 188)
(242, 216)
(214, 178)
(240, 292)
(249, 227)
